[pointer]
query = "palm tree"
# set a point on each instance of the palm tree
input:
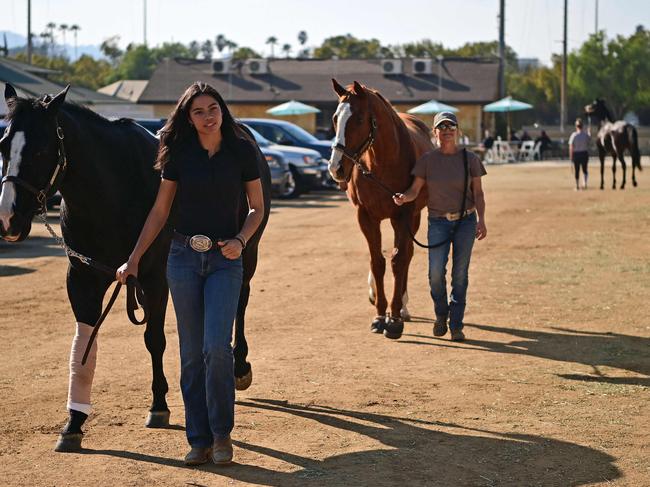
(220, 42)
(74, 29)
(286, 49)
(47, 39)
(302, 37)
(63, 28)
(50, 27)
(272, 41)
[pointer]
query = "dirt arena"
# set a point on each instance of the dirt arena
(552, 387)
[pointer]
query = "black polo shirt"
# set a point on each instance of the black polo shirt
(208, 195)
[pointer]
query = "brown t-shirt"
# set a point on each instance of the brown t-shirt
(444, 175)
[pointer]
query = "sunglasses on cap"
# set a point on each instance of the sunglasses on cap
(446, 126)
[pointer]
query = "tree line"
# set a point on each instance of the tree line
(616, 69)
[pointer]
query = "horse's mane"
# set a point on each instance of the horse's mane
(23, 104)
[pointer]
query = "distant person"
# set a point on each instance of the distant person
(579, 153)
(488, 141)
(525, 136)
(514, 138)
(544, 143)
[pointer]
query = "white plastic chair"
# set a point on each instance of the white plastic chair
(526, 152)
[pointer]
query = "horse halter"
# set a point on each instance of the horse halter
(356, 155)
(52, 185)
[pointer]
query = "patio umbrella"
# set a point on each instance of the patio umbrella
(292, 107)
(431, 107)
(507, 105)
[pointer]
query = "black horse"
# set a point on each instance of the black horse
(614, 137)
(104, 171)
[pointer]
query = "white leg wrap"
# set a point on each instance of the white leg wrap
(81, 376)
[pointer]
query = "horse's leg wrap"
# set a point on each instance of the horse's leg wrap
(81, 376)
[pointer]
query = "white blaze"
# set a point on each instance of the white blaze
(8, 196)
(343, 113)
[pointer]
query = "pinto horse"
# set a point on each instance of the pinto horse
(614, 138)
(104, 171)
(374, 151)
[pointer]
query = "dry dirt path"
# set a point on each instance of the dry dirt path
(552, 387)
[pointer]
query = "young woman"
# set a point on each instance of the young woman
(443, 171)
(579, 154)
(206, 162)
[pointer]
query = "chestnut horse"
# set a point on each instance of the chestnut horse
(613, 139)
(374, 151)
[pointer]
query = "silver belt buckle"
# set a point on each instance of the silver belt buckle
(452, 217)
(200, 243)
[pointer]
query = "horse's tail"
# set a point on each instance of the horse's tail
(634, 147)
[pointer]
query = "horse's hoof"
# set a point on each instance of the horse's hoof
(393, 328)
(404, 313)
(243, 383)
(634, 183)
(378, 324)
(69, 443)
(158, 419)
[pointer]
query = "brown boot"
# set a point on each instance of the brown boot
(197, 456)
(440, 326)
(457, 336)
(222, 451)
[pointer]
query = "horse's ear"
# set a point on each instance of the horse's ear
(10, 94)
(338, 88)
(56, 102)
(359, 89)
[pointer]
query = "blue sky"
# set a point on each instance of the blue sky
(533, 27)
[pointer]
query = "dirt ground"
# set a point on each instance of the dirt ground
(552, 387)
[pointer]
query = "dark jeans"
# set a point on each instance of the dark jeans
(462, 243)
(580, 161)
(205, 290)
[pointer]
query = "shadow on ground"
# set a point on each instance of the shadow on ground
(424, 452)
(594, 349)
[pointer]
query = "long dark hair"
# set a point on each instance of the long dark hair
(177, 132)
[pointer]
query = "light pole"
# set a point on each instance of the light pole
(439, 58)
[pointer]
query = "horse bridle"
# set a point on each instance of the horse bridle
(355, 156)
(54, 182)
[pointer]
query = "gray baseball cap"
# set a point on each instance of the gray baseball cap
(444, 117)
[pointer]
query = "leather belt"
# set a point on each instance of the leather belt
(452, 217)
(200, 243)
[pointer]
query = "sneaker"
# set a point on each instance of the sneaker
(457, 336)
(440, 327)
(222, 451)
(197, 456)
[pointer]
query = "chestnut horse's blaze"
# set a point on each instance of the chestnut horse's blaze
(371, 135)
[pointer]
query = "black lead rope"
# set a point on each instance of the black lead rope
(457, 222)
(135, 299)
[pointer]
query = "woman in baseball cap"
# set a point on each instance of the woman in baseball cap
(450, 174)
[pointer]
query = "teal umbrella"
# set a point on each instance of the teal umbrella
(507, 105)
(292, 107)
(431, 107)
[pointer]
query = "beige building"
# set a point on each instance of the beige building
(252, 87)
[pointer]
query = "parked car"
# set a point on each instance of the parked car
(307, 166)
(287, 133)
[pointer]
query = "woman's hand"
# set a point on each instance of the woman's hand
(399, 199)
(129, 268)
(231, 248)
(481, 230)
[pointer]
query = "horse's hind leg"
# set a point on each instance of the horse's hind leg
(623, 167)
(371, 230)
(243, 369)
(601, 156)
(614, 172)
(157, 292)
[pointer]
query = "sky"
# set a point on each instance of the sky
(533, 27)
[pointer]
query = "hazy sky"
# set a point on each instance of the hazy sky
(533, 27)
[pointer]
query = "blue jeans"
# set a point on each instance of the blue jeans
(462, 242)
(205, 291)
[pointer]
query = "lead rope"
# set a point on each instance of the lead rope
(135, 297)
